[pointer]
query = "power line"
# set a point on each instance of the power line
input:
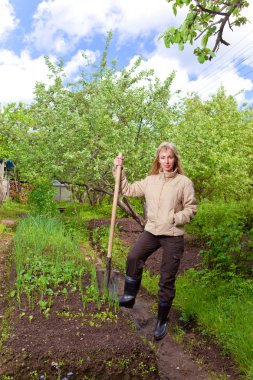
(244, 48)
(216, 74)
(224, 65)
(221, 68)
(205, 84)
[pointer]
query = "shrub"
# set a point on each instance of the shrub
(224, 229)
(41, 200)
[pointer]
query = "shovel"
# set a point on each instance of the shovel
(108, 279)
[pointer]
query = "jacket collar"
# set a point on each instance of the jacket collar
(167, 175)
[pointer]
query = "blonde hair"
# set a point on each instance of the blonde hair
(155, 167)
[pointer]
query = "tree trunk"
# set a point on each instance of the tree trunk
(1, 182)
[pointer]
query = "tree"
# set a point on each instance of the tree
(205, 19)
(215, 140)
(72, 131)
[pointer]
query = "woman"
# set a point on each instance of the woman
(170, 205)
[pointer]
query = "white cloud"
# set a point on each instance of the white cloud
(8, 21)
(163, 67)
(139, 18)
(60, 24)
(233, 83)
(19, 73)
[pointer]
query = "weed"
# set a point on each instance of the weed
(123, 362)
(2, 229)
(179, 334)
(143, 368)
(105, 316)
(34, 375)
(6, 330)
(109, 363)
(11, 209)
(187, 318)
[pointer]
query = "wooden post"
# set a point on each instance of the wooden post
(1, 181)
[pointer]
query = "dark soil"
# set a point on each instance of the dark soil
(79, 341)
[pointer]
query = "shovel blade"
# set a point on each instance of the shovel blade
(108, 285)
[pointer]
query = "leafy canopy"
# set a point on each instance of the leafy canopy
(72, 132)
(205, 19)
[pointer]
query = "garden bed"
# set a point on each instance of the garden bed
(93, 341)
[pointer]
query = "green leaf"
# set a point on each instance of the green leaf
(201, 58)
(235, 12)
(204, 40)
(174, 9)
(166, 42)
(13, 293)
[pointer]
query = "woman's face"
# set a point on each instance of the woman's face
(166, 160)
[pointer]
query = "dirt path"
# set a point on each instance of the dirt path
(174, 362)
(5, 246)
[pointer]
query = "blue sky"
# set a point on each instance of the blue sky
(31, 29)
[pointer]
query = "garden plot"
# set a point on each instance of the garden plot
(54, 326)
(73, 334)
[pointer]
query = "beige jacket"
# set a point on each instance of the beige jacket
(169, 199)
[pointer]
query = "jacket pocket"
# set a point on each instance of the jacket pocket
(171, 218)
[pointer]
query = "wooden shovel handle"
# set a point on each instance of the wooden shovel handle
(114, 209)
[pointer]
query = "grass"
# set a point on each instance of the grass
(223, 309)
(10, 209)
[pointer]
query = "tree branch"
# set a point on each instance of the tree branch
(219, 39)
(138, 132)
(210, 11)
(124, 205)
(203, 31)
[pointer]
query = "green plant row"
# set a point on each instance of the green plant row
(48, 261)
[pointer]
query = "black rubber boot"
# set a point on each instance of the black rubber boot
(131, 289)
(162, 319)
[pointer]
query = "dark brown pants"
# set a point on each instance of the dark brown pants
(173, 249)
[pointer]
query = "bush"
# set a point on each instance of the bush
(210, 215)
(224, 228)
(41, 200)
